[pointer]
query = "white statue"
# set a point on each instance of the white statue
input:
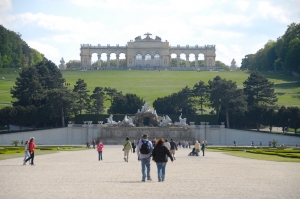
(233, 65)
(165, 121)
(62, 65)
(127, 121)
(146, 108)
(182, 121)
(110, 121)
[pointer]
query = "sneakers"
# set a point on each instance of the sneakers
(32, 164)
(149, 179)
(143, 180)
(24, 163)
(159, 180)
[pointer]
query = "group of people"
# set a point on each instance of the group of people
(29, 152)
(197, 148)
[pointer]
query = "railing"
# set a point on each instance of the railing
(101, 47)
(193, 47)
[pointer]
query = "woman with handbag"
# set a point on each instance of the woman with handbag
(126, 149)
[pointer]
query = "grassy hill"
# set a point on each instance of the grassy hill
(153, 84)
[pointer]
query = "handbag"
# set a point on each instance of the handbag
(124, 146)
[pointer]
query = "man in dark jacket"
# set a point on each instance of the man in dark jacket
(173, 148)
(160, 155)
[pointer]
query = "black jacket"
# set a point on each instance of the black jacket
(173, 145)
(160, 153)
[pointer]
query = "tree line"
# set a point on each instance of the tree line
(15, 52)
(282, 54)
(42, 98)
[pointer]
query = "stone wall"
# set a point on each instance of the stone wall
(79, 135)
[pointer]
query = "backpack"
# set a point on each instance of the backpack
(145, 148)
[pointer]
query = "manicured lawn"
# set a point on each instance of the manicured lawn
(153, 84)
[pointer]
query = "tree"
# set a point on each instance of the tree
(225, 95)
(200, 91)
(82, 97)
(294, 117)
(282, 118)
(7, 115)
(259, 90)
(110, 93)
(97, 99)
(126, 104)
(292, 60)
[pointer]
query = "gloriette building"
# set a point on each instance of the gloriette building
(149, 53)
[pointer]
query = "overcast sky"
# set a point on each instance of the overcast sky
(56, 28)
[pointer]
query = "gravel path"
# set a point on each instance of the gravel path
(79, 174)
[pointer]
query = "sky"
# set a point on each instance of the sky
(56, 28)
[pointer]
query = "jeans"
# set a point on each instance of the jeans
(161, 170)
(31, 157)
(100, 155)
(27, 155)
(197, 152)
(145, 164)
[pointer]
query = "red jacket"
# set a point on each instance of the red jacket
(31, 146)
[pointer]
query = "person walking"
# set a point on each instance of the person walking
(202, 147)
(167, 144)
(31, 151)
(94, 144)
(197, 148)
(173, 147)
(27, 154)
(260, 144)
(133, 146)
(100, 147)
(144, 151)
(126, 149)
(160, 156)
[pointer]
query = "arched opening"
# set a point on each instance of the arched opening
(192, 60)
(157, 59)
(173, 60)
(103, 60)
(201, 62)
(122, 60)
(94, 61)
(147, 60)
(138, 60)
(182, 60)
(113, 60)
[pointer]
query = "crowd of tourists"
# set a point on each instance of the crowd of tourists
(158, 150)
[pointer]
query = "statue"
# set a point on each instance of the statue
(182, 122)
(62, 65)
(110, 121)
(233, 65)
(165, 121)
(146, 108)
(127, 121)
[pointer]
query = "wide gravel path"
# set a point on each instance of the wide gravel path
(79, 174)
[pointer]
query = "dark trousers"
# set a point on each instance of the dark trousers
(133, 149)
(202, 152)
(31, 157)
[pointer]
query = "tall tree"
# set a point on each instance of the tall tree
(97, 99)
(224, 95)
(200, 91)
(126, 104)
(82, 98)
(294, 117)
(259, 90)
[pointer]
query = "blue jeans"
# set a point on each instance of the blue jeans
(145, 164)
(100, 155)
(161, 170)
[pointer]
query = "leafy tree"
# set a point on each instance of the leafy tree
(73, 63)
(259, 90)
(7, 115)
(294, 117)
(82, 97)
(292, 60)
(97, 99)
(282, 118)
(110, 94)
(200, 91)
(36, 57)
(225, 95)
(126, 104)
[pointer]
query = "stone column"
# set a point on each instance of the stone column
(90, 60)
(143, 61)
(117, 57)
(152, 60)
(108, 60)
(196, 61)
(99, 60)
(187, 64)
(178, 61)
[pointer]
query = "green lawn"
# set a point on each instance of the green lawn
(153, 84)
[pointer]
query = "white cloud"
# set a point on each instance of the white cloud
(242, 5)
(49, 51)
(5, 5)
(222, 19)
(266, 10)
(223, 34)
